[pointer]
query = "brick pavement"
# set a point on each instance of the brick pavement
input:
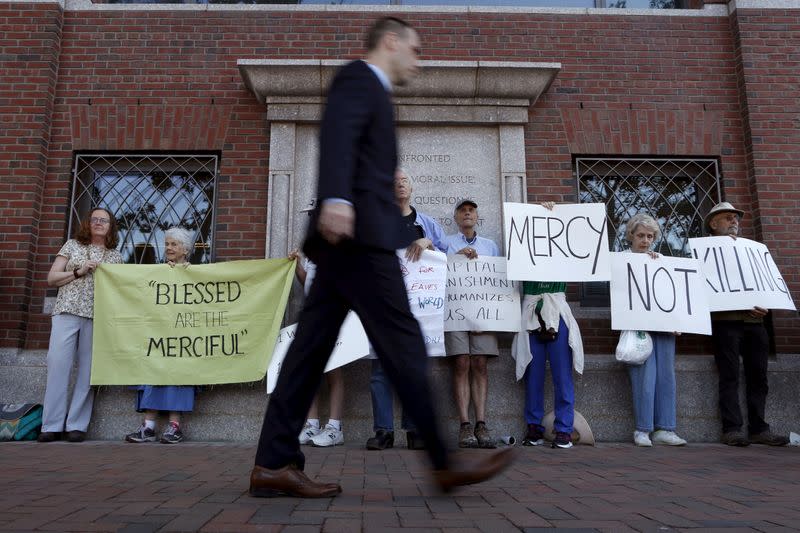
(109, 486)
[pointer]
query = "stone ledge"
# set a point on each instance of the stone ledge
(733, 5)
(496, 81)
(234, 412)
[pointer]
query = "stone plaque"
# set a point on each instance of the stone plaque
(444, 164)
(448, 164)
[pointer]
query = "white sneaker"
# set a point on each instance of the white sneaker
(330, 436)
(669, 438)
(641, 438)
(308, 433)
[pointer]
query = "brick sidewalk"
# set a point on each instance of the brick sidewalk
(109, 486)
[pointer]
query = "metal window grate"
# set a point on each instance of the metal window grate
(148, 194)
(676, 192)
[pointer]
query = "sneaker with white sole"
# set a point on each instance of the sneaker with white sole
(563, 440)
(172, 435)
(143, 434)
(329, 436)
(670, 438)
(642, 438)
(308, 433)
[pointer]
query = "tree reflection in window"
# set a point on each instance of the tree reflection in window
(148, 194)
(676, 192)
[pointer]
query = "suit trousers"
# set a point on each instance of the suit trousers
(370, 282)
(70, 338)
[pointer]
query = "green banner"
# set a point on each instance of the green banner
(203, 324)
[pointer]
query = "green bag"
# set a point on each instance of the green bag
(20, 421)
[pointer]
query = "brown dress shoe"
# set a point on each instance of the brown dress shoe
(288, 481)
(473, 472)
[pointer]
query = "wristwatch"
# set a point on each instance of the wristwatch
(75, 273)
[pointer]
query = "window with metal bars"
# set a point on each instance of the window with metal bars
(148, 194)
(676, 192)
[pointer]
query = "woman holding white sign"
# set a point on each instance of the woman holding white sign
(175, 399)
(71, 333)
(653, 382)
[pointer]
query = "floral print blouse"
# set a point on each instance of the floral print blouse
(77, 296)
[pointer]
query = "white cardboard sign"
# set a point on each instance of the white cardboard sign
(425, 281)
(480, 297)
(352, 344)
(740, 274)
(663, 294)
(568, 243)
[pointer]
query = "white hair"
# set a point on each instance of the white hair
(183, 236)
(642, 219)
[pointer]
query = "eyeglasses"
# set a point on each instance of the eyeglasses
(98, 220)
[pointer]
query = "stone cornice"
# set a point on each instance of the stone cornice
(497, 91)
(707, 11)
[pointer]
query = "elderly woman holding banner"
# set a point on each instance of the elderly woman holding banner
(178, 247)
(653, 383)
(71, 334)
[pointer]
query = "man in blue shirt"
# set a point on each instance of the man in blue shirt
(429, 236)
(471, 349)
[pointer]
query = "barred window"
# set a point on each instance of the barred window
(148, 194)
(676, 192)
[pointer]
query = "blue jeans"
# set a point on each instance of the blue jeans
(383, 401)
(653, 386)
(559, 354)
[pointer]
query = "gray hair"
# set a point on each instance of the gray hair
(183, 236)
(641, 219)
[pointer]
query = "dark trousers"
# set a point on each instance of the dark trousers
(370, 282)
(734, 339)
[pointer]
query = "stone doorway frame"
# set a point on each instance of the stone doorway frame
(447, 93)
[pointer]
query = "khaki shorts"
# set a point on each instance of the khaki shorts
(466, 342)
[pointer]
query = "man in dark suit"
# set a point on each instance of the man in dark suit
(352, 238)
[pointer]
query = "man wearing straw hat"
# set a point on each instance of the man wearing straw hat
(740, 334)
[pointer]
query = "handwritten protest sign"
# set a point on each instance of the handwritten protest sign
(569, 243)
(479, 296)
(352, 344)
(663, 294)
(425, 281)
(205, 324)
(740, 274)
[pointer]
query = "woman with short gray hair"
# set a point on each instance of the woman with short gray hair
(175, 399)
(653, 382)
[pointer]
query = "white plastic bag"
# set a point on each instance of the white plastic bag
(634, 347)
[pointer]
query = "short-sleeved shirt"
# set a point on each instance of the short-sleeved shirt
(543, 287)
(77, 296)
(482, 245)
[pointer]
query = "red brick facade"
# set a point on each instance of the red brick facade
(708, 86)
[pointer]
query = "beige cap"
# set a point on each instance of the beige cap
(722, 207)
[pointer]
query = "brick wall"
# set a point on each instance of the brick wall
(30, 40)
(767, 48)
(629, 85)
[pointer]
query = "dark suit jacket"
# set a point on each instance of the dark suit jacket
(358, 158)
